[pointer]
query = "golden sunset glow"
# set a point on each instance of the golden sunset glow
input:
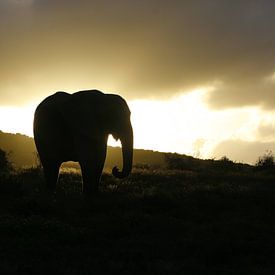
(183, 124)
(198, 80)
(137, 137)
(17, 119)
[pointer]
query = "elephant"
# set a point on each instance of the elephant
(75, 127)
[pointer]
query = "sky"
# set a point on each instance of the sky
(199, 76)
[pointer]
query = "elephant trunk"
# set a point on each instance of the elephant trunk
(127, 153)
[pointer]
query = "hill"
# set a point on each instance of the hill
(20, 148)
(157, 221)
(189, 216)
(22, 153)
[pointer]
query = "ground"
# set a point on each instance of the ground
(157, 221)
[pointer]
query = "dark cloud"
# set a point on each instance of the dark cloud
(243, 151)
(139, 48)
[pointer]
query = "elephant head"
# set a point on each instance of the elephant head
(76, 127)
(121, 128)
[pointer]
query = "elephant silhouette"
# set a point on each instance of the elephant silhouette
(75, 127)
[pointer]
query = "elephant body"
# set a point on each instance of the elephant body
(75, 127)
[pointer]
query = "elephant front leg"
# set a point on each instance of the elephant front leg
(91, 168)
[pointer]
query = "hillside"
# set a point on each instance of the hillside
(157, 221)
(190, 216)
(21, 148)
(22, 152)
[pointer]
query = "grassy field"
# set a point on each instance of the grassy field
(155, 222)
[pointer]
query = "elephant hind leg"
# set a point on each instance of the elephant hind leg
(51, 171)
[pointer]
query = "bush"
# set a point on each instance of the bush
(224, 163)
(266, 162)
(5, 164)
(175, 161)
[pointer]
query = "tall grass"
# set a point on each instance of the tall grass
(157, 221)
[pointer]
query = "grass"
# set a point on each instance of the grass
(154, 222)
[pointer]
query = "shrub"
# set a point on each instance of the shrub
(179, 162)
(224, 163)
(266, 162)
(5, 164)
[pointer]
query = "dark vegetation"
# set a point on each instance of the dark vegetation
(186, 217)
(5, 165)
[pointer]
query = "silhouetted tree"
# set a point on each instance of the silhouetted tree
(266, 162)
(5, 164)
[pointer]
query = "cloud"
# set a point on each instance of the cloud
(23, 2)
(266, 132)
(141, 49)
(251, 144)
(243, 151)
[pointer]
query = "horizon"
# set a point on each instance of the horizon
(199, 77)
(117, 145)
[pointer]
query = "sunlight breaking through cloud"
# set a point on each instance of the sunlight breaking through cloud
(17, 119)
(185, 124)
